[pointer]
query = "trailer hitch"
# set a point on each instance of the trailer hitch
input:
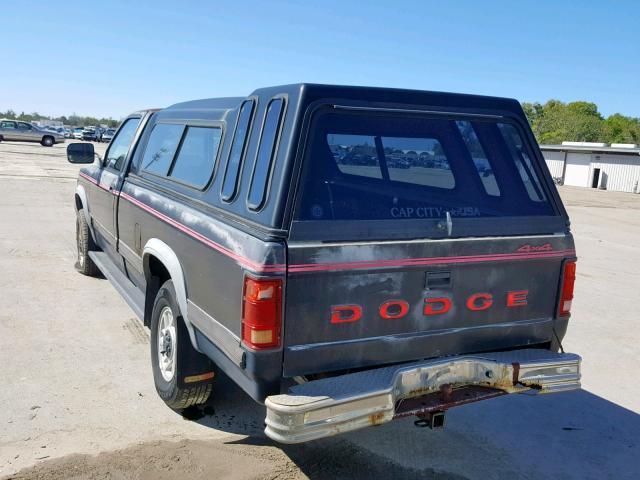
(433, 420)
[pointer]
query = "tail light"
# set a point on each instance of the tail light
(566, 294)
(261, 313)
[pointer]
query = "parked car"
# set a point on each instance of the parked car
(89, 133)
(107, 136)
(67, 133)
(16, 130)
(340, 295)
(77, 133)
(58, 130)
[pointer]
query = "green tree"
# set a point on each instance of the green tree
(555, 121)
(583, 122)
(9, 114)
(584, 108)
(621, 129)
(534, 113)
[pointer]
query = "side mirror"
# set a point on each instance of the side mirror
(80, 153)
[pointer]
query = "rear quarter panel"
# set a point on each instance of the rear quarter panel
(214, 256)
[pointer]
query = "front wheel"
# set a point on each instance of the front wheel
(47, 141)
(85, 244)
(182, 375)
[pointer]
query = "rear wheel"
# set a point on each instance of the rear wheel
(182, 375)
(85, 244)
(47, 141)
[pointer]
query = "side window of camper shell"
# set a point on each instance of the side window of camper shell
(238, 151)
(266, 151)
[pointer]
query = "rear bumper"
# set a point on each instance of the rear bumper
(339, 404)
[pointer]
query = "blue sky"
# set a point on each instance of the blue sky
(112, 57)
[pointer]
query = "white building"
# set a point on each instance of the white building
(595, 165)
(47, 123)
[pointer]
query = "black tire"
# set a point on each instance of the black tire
(191, 380)
(47, 141)
(85, 244)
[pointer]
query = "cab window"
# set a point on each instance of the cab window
(119, 146)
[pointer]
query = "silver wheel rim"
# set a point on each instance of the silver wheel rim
(167, 344)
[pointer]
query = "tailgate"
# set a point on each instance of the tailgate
(358, 305)
(417, 235)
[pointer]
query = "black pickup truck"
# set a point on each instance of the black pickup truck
(347, 255)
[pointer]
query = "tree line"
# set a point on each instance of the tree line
(554, 122)
(73, 120)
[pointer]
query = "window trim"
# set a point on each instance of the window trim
(143, 172)
(266, 189)
(243, 151)
(105, 165)
(203, 187)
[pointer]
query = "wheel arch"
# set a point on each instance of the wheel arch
(155, 253)
(81, 203)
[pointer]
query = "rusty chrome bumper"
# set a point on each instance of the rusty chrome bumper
(330, 406)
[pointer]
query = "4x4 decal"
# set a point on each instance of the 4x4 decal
(547, 247)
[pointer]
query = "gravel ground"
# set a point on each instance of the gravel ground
(78, 399)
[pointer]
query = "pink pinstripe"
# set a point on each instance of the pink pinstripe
(320, 267)
(410, 262)
(257, 267)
